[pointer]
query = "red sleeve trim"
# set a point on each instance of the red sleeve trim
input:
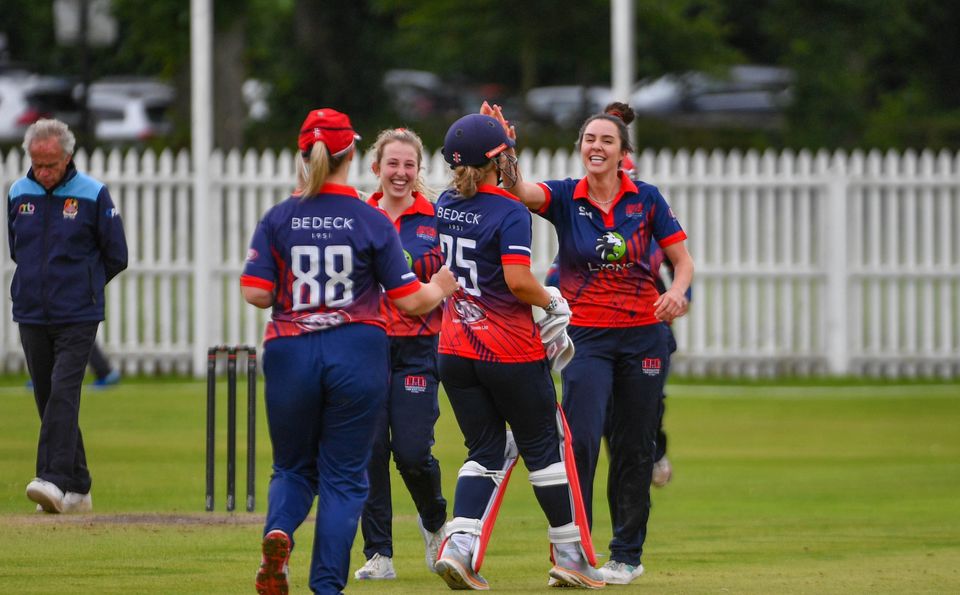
(251, 281)
(673, 239)
(520, 259)
(546, 203)
(404, 290)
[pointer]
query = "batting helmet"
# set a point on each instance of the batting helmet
(474, 140)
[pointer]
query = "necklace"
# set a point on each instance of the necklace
(601, 202)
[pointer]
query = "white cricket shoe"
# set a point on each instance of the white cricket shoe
(76, 503)
(46, 494)
(555, 583)
(456, 569)
(662, 472)
(431, 542)
(571, 568)
(377, 568)
(620, 573)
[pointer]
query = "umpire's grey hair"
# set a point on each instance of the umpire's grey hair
(48, 128)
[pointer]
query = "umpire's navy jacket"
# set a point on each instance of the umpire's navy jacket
(67, 242)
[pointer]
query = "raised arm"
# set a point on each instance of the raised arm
(532, 195)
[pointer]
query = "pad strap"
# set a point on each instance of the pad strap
(569, 533)
(463, 525)
(551, 475)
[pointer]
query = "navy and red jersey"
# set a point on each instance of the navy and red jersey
(479, 235)
(608, 271)
(417, 227)
(325, 257)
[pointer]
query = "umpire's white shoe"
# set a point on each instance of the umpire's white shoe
(620, 573)
(431, 542)
(46, 494)
(76, 503)
(662, 472)
(377, 568)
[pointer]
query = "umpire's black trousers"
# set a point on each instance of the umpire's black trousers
(57, 358)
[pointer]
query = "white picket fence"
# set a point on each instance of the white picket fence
(826, 263)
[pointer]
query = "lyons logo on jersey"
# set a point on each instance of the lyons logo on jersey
(409, 259)
(71, 207)
(651, 366)
(415, 384)
(611, 246)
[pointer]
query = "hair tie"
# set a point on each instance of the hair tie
(616, 113)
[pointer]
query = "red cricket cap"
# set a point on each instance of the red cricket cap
(327, 126)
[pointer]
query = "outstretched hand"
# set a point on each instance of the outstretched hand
(496, 112)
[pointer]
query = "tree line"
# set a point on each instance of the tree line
(867, 73)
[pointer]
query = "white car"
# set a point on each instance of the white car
(26, 97)
(130, 111)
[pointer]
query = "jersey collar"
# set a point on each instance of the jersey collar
(626, 185)
(420, 206)
(330, 188)
(491, 189)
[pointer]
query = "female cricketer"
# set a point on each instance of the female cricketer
(406, 421)
(605, 223)
(319, 259)
(493, 365)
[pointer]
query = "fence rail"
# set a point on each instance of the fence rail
(807, 263)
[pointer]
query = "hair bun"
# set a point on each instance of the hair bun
(620, 110)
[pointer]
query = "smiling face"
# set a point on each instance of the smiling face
(49, 161)
(397, 169)
(600, 147)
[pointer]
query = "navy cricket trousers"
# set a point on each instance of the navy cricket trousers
(485, 398)
(323, 391)
(617, 375)
(57, 359)
(405, 429)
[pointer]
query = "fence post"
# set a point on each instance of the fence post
(201, 120)
(836, 309)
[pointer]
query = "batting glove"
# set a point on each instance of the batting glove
(559, 350)
(557, 318)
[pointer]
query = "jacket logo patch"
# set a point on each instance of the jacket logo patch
(415, 384)
(27, 208)
(71, 207)
(651, 366)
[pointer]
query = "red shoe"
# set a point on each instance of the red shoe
(272, 575)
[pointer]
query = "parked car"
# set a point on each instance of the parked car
(566, 105)
(130, 110)
(26, 97)
(418, 94)
(745, 90)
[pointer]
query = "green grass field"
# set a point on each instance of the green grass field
(779, 488)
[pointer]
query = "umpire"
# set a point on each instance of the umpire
(67, 241)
